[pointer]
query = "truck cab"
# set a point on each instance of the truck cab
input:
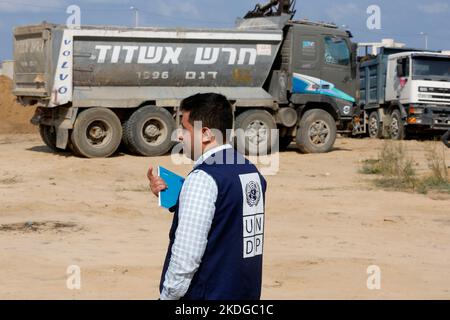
(421, 80)
(405, 91)
(323, 69)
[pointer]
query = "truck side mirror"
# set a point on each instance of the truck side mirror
(400, 72)
(354, 48)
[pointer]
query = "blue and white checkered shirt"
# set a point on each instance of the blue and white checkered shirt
(196, 212)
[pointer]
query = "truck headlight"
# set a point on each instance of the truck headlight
(414, 109)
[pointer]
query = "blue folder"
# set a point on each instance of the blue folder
(168, 198)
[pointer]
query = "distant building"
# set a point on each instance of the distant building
(7, 68)
(366, 48)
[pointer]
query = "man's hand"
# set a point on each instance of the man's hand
(157, 184)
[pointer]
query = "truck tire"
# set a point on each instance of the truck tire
(256, 138)
(375, 127)
(396, 126)
(148, 131)
(48, 135)
(97, 133)
(125, 142)
(317, 132)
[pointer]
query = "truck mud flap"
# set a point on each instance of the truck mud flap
(62, 138)
(446, 139)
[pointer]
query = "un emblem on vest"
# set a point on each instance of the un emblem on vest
(253, 193)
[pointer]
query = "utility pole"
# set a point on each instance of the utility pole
(136, 16)
(426, 39)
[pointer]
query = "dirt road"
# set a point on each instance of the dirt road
(325, 224)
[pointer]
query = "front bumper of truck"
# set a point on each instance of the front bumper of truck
(433, 117)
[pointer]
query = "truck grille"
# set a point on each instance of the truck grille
(434, 90)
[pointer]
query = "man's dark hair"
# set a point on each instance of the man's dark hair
(212, 109)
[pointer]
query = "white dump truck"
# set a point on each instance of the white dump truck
(404, 91)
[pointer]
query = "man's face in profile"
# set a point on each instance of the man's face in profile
(190, 138)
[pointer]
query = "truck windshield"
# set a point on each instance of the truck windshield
(336, 51)
(431, 68)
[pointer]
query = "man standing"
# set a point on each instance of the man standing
(216, 239)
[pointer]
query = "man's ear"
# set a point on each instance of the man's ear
(207, 135)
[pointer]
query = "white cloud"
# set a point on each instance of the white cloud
(434, 7)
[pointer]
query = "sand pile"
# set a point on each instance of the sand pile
(14, 118)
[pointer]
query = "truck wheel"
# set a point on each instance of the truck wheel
(317, 132)
(125, 142)
(397, 127)
(256, 135)
(97, 133)
(148, 131)
(48, 135)
(375, 128)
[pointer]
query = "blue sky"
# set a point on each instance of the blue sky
(402, 20)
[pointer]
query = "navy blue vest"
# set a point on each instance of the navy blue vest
(231, 268)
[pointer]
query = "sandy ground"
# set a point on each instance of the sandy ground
(325, 224)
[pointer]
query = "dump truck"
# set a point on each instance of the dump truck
(97, 87)
(403, 91)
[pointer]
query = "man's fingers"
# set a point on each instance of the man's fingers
(158, 189)
(157, 180)
(161, 185)
(158, 186)
(150, 173)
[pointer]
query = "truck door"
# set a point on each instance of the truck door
(322, 65)
(306, 54)
(337, 64)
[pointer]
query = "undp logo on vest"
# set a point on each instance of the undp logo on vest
(252, 215)
(253, 193)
